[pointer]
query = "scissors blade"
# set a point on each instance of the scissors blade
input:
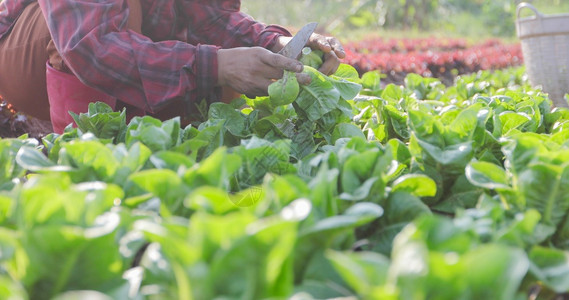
(294, 47)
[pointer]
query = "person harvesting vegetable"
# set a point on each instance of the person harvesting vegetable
(151, 56)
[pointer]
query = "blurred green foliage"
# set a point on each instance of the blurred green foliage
(463, 17)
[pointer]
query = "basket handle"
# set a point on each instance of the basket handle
(527, 5)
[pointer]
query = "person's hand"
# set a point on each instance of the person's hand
(250, 71)
(333, 51)
(332, 48)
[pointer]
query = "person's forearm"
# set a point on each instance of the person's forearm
(280, 42)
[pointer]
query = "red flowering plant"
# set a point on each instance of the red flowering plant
(430, 57)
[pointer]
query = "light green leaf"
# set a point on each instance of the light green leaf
(372, 81)
(415, 184)
(363, 271)
(550, 266)
(487, 175)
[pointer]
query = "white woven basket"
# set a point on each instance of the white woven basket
(545, 46)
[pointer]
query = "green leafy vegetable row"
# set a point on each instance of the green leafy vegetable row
(352, 190)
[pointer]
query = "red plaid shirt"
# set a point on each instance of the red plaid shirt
(175, 58)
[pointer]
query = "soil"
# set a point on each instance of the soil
(14, 124)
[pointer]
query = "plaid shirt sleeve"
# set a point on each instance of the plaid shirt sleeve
(10, 10)
(150, 71)
(221, 23)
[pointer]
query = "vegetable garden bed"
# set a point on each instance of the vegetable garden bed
(354, 190)
(430, 57)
